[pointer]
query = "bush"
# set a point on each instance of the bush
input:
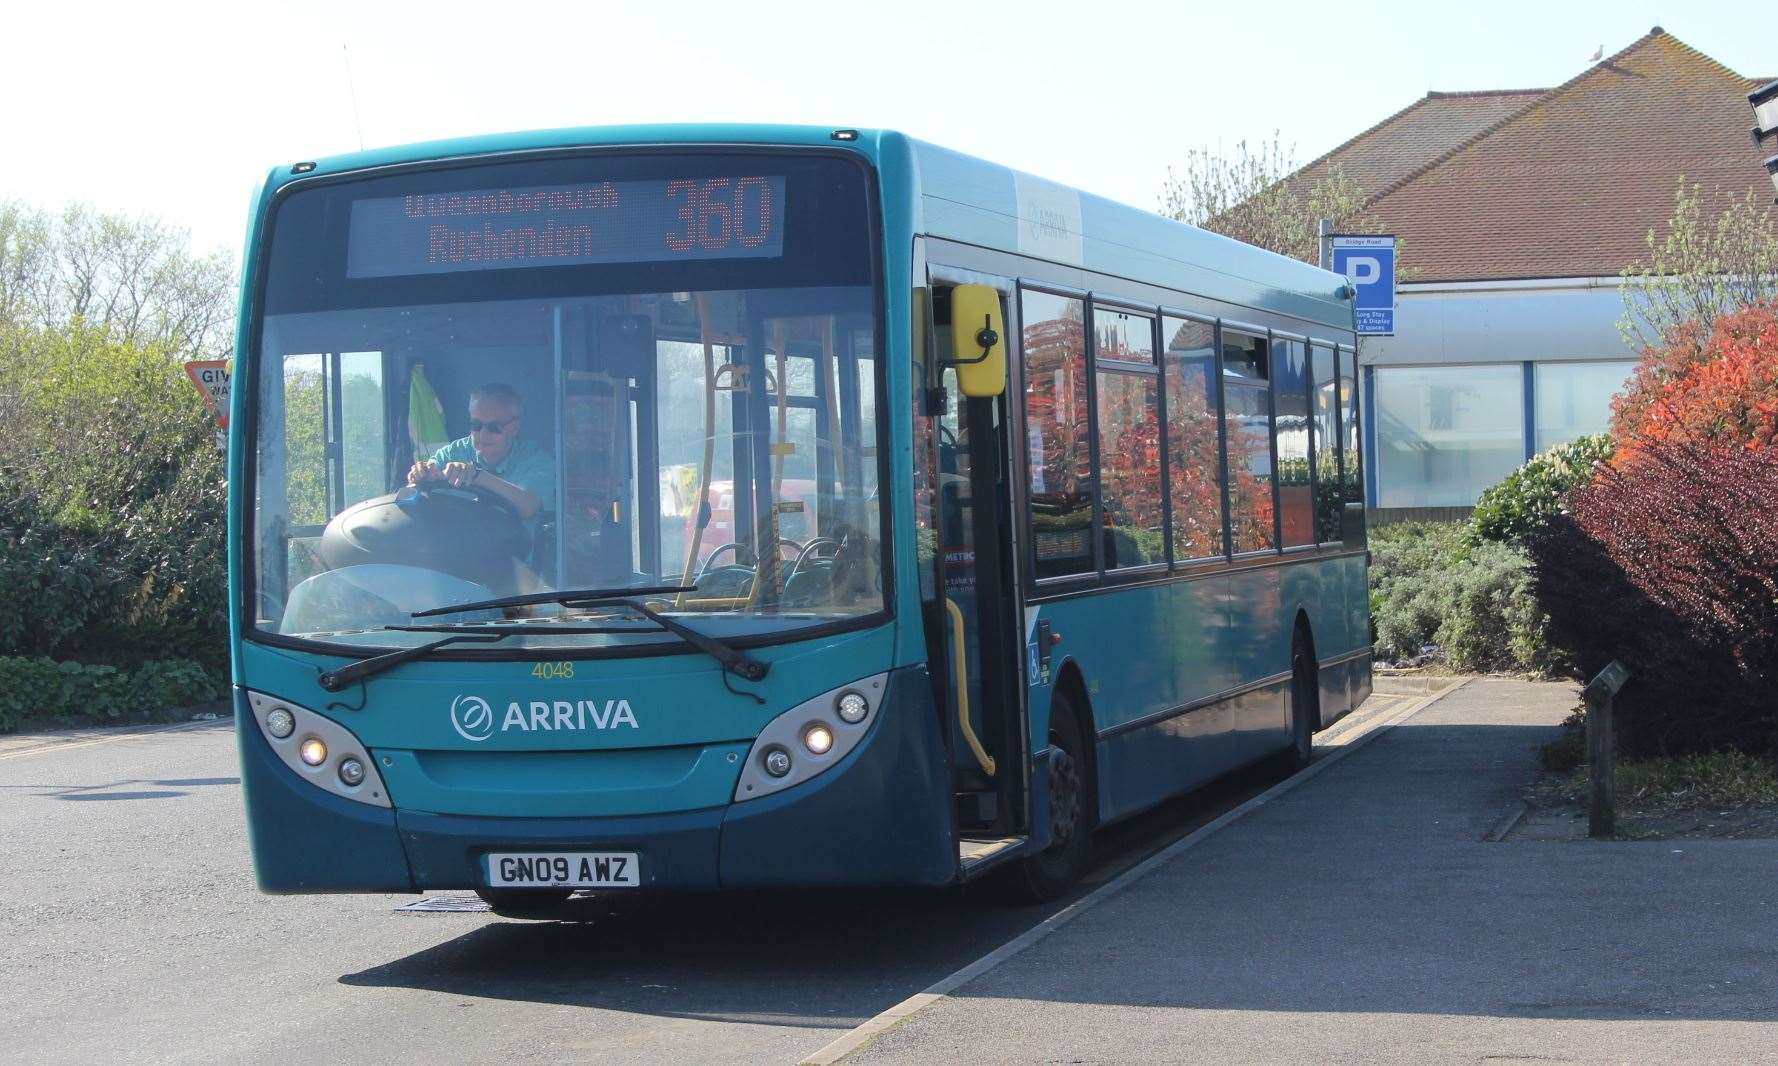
(1519, 505)
(1669, 563)
(1477, 604)
(41, 688)
(1406, 561)
(111, 504)
(1712, 389)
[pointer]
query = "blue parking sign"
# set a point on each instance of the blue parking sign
(1368, 261)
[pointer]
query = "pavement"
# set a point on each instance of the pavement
(1367, 916)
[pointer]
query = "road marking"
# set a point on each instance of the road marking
(865, 1034)
(110, 738)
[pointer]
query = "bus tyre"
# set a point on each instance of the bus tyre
(1305, 700)
(524, 902)
(1071, 802)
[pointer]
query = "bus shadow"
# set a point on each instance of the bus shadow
(784, 958)
(796, 958)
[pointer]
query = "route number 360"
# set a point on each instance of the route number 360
(721, 211)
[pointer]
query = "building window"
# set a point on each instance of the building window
(1058, 449)
(1574, 399)
(1247, 434)
(1130, 500)
(1290, 399)
(1194, 460)
(1324, 403)
(1445, 433)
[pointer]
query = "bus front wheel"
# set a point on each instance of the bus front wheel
(1053, 871)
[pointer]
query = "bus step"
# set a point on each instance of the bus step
(977, 808)
(974, 855)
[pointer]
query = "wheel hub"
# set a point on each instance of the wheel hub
(1064, 796)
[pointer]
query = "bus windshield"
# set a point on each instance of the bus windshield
(652, 372)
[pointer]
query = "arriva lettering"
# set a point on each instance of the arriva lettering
(562, 716)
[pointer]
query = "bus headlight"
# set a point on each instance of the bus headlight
(318, 749)
(825, 729)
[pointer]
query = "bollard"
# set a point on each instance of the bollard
(1601, 694)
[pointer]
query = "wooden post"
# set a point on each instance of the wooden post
(1600, 695)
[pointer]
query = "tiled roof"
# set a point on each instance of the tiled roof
(1418, 134)
(1569, 183)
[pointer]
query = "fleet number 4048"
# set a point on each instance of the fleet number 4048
(553, 671)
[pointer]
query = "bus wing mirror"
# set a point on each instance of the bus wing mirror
(978, 341)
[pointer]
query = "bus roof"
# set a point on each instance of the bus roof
(970, 200)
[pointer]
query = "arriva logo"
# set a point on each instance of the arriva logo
(473, 718)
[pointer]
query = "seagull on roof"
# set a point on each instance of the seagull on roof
(1598, 54)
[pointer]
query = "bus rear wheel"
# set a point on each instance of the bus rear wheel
(1053, 871)
(524, 902)
(1305, 702)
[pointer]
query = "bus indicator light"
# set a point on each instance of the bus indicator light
(280, 722)
(776, 762)
(851, 707)
(314, 751)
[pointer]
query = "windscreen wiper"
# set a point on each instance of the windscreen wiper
(567, 597)
(734, 661)
(334, 680)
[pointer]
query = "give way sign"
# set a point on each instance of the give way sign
(211, 378)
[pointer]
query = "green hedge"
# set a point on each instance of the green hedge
(40, 688)
(1476, 603)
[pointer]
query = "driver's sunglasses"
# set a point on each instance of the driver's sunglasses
(476, 426)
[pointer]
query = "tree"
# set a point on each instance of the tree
(1713, 388)
(1256, 196)
(1700, 269)
(133, 279)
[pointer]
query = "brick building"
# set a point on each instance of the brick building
(1517, 211)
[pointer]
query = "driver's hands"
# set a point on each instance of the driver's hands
(458, 474)
(424, 470)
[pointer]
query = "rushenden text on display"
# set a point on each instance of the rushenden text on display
(567, 225)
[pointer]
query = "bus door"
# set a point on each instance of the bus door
(979, 643)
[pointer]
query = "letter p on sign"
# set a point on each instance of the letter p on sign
(1363, 270)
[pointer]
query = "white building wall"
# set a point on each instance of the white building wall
(1481, 375)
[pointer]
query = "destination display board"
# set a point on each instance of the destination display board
(728, 217)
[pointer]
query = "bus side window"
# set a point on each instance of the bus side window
(1194, 463)
(1290, 397)
(1248, 441)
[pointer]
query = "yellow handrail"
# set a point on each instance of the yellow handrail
(959, 650)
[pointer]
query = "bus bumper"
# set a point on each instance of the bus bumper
(880, 817)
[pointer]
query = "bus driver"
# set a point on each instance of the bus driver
(494, 458)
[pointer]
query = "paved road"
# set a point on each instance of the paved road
(1363, 918)
(130, 930)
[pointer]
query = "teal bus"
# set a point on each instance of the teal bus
(731, 507)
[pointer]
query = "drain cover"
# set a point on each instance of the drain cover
(446, 905)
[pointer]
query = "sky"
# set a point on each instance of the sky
(177, 109)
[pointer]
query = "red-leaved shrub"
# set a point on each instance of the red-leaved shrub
(1712, 389)
(1669, 563)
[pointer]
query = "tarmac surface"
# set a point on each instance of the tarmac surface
(1363, 917)
(1356, 914)
(131, 931)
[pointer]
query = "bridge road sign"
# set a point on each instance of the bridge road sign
(1368, 261)
(211, 377)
